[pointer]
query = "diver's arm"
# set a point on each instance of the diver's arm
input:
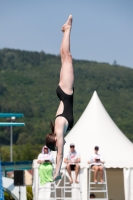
(59, 156)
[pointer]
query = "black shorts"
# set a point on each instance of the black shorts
(72, 167)
(94, 165)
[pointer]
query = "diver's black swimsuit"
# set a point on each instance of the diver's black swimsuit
(68, 106)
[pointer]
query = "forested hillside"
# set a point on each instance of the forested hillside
(28, 81)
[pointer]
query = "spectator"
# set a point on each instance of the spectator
(92, 196)
(97, 162)
(72, 160)
(45, 159)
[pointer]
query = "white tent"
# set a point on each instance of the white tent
(96, 128)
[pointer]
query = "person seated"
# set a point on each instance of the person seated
(72, 160)
(96, 161)
(45, 159)
(92, 196)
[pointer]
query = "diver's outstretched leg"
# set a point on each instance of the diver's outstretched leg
(67, 72)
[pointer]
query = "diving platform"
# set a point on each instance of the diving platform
(11, 124)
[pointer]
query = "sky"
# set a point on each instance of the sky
(102, 29)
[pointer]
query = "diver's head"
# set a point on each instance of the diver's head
(50, 139)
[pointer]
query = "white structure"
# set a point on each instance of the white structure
(8, 185)
(56, 190)
(96, 128)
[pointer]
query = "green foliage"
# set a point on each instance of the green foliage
(26, 152)
(7, 196)
(28, 81)
(5, 153)
(29, 193)
(21, 152)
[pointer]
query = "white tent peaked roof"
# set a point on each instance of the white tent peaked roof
(96, 128)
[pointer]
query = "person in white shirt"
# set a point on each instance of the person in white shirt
(72, 160)
(96, 161)
(45, 159)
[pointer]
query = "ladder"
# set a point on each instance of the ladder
(72, 188)
(57, 190)
(51, 189)
(99, 189)
(67, 191)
